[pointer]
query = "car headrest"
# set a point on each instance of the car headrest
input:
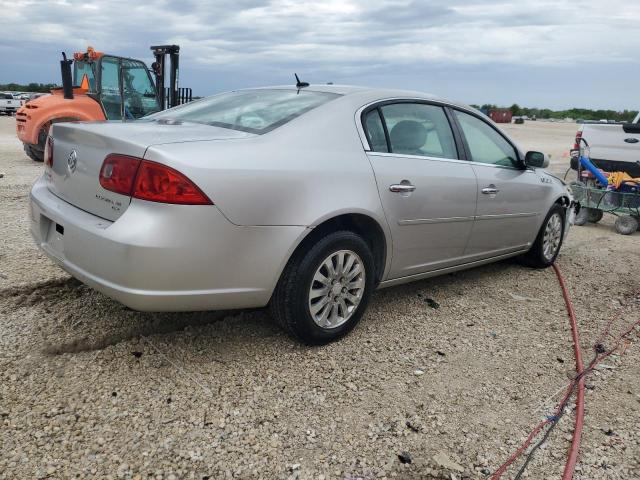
(408, 135)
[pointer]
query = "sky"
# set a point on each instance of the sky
(537, 53)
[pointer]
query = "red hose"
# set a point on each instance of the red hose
(601, 354)
(572, 459)
(577, 433)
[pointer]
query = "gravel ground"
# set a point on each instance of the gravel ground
(90, 389)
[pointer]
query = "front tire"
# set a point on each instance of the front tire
(545, 249)
(325, 288)
(594, 215)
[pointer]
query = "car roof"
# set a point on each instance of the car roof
(371, 94)
(351, 89)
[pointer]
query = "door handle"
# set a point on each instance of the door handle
(402, 187)
(490, 190)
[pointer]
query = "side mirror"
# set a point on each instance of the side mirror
(536, 160)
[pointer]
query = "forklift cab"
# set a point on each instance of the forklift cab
(123, 86)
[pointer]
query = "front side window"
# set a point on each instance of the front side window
(80, 69)
(254, 111)
(419, 129)
(485, 144)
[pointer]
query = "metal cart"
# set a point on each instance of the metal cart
(595, 197)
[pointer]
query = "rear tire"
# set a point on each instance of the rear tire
(317, 312)
(36, 152)
(626, 225)
(33, 153)
(545, 249)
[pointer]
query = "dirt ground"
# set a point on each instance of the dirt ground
(89, 389)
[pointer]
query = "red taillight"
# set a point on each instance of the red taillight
(118, 173)
(158, 183)
(150, 181)
(48, 151)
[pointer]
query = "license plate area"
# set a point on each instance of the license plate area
(53, 236)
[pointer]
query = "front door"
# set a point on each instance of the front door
(428, 194)
(511, 198)
(128, 80)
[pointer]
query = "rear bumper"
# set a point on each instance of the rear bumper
(159, 257)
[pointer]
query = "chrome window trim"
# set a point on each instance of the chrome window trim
(428, 101)
(492, 165)
(417, 157)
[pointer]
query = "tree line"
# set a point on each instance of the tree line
(575, 113)
(516, 110)
(31, 87)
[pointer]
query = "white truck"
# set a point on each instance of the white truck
(9, 104)
(613, 147)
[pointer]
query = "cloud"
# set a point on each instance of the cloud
(352, 39)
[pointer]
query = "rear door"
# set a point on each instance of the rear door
(109, 87)
(427, 192)
(511, 198)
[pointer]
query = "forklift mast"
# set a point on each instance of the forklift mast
(160, 52)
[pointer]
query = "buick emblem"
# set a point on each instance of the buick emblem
(72, 161)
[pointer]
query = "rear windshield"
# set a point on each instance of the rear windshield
(253, 111)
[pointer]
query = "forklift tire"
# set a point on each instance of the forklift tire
(626, 225)
(594, 215)
(33, 153)
(36, 152)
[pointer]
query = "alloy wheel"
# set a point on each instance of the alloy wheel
(336, 289)
(552, 236)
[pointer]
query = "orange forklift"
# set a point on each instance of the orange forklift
(102, 87)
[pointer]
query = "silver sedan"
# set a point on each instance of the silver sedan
(303, 199)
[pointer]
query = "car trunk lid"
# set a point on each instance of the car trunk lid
(80, 149)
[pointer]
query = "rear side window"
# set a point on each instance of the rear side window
(485, 144)
(375, 132)
(255, 111)
(419, 129)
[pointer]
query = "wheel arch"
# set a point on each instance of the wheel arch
(563, 201)
(52, 108)
(363, 224)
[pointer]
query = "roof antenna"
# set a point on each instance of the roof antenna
(300, 84)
